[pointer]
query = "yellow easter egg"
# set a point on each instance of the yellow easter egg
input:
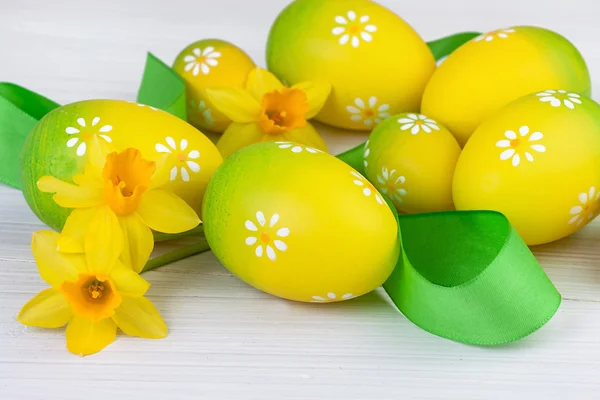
(205, 64)
(410, 158)
(300, 224)
(536, 161)
(376, 63)
(496, 68)
(58, 146)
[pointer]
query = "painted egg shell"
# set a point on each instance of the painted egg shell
(300, 224)
(410, 158)
(536, 161)
(377, 64)
(496, 68)
(210, 63)
(57, 146)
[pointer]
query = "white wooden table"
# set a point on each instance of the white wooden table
(227, 340)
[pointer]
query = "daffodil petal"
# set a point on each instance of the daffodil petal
(165, 212)
(236, 103)
(127, 281)
(48, 309)
(98, 150)
(317, 94)
(53, 266)
(238, 136)
(261, 81)
(139, 317)
(87, 337)
(104, 243)
(162, 173)
(138, 241)
(68, 195)
(306, 135)
(75, 229)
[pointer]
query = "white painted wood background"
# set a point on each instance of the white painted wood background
(227, 340)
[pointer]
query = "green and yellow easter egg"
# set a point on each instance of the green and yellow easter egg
(58, 146)
(410, 158)
(376, 63)
(206, 64)
(536, 161)
(496, 68)
(300, 224)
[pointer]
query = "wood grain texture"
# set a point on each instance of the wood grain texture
(227, 340)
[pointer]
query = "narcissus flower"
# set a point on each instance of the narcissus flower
(266, 110)
(92, 300)
(117, 201)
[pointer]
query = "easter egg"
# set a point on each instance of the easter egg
(496, 68)
(410, 158)
(58, 146)
(205, 64)
(537, 162)
(376, 63)
(300, 224)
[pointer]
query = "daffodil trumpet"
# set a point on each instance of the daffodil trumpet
(91, 299)
(266, 110)
(118, 202)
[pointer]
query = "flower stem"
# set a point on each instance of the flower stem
(177, 255)
(163, 237)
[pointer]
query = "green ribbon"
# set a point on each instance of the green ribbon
(469, 277)
(465, 276)
(20, 110)
(163, 88)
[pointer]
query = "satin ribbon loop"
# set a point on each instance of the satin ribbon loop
(469, 277)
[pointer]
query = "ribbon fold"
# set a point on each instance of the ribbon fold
(469, 277)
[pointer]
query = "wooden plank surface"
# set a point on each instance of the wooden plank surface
(227, 340)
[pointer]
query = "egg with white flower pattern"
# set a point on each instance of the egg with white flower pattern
(496, 68)
(300, 224)
(376, 63)
(59, 146)
(536, 161)
(206, 64)
(410, 158)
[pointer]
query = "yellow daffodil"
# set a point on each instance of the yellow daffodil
(117, 201)
(92, 300)
(266, 110)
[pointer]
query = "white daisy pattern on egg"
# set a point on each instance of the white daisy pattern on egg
(390, 184)
(266, 236)
(417, 123)
(184, 159)
(369, 113)
(204, 112)
(522, 144)
(498, 34)
(331, 297)
(296, 148)
(587, 208)
(201, 60)
(366, 187)
(84, 131)
(366, 154)
(556, 98)
(354, 30)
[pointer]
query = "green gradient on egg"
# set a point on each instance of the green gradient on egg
(496, 68)
(377, 64)
(300, 224)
